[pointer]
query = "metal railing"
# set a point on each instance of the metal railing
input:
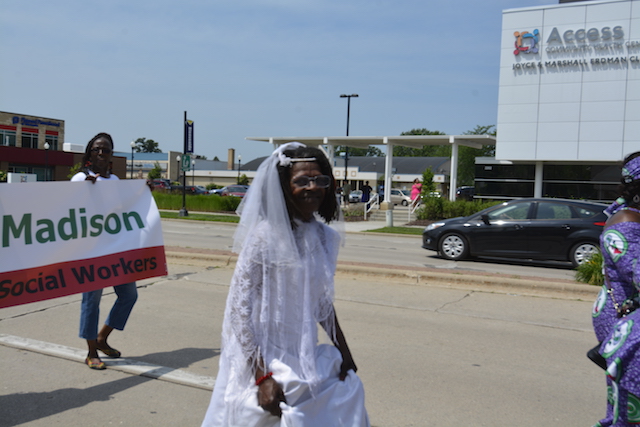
(373, 203)
(413, 207)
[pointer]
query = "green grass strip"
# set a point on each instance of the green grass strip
(399, 230)
(200, 217)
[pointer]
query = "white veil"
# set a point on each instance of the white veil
(264, 201)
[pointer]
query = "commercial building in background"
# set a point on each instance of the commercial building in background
(569, 101)
(32, 145)
(34, 148)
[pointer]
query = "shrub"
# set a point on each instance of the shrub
(356, 210)
(434, 208)
(591, 271)
(199, 203)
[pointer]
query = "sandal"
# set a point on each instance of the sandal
(93, 365)
(111, 352)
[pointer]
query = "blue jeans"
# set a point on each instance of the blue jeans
(90, 310)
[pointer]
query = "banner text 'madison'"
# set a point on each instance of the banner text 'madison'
(73, 226)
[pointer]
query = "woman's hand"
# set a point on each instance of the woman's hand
(92, 178)
(270, 394)
(347, 364)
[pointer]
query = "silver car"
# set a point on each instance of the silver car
(399, 196)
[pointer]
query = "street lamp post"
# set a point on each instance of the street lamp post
(183, 210)
(133, 144)
(239, 164)
(46, 161)
(346, 147)
(193, 173)
(178, 169)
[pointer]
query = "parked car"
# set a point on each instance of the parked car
(355, 196)
(465, 193)
(197, 190)
(217, 191)
(538, 229)
(163, 184)
(400, 197)
(234, 190)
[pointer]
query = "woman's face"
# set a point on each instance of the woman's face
(307, 199)
(100, 155)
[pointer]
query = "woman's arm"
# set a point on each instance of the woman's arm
(270, 393)
(340, 341)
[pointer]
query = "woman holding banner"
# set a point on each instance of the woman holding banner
(97, 167)
(272, 370)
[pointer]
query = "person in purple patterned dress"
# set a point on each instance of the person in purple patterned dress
(615, 321)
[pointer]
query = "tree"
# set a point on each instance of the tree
(3, 176)
(428, 186)
(156, 172)
(243, 180)
(370, 151)
(426, 150)
(74, 169)
(467, 155)
(144, 145)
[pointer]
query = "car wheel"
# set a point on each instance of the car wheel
(405, 203)
(453, 247)
(582, 252)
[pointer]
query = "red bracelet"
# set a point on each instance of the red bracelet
(264, 378)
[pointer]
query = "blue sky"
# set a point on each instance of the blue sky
(251, 67)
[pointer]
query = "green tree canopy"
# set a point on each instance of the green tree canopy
(428, 186)
(426, 150)
(144, 145)
(466, 155)
(370, 151)
(156, 172)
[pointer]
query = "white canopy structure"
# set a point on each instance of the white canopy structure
(413, 141)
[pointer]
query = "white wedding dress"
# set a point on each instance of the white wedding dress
(273, 310)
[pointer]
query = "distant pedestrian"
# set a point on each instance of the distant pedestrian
(416, 189)
(346, 191)
(366, 192)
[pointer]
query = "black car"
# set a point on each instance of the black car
(538, 229)
(465, 193)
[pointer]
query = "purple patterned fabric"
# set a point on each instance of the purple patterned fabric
(620, 247)
(620, 337)
(631, 170)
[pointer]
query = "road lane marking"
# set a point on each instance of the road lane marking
(133, 367)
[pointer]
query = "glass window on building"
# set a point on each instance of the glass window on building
(502, 189)
(52, 140)
(29, 138)
(8, 137)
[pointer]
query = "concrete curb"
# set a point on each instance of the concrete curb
(129, 366)
(424, 277)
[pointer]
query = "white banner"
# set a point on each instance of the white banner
(60, 238)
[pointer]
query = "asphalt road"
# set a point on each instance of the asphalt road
(378, 249)
(428, 355)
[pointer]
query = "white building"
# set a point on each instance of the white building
(569, 100)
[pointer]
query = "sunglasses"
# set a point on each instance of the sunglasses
(104, 150)
(321, 181)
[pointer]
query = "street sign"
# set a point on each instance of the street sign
(185, 165)
(188, 135)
